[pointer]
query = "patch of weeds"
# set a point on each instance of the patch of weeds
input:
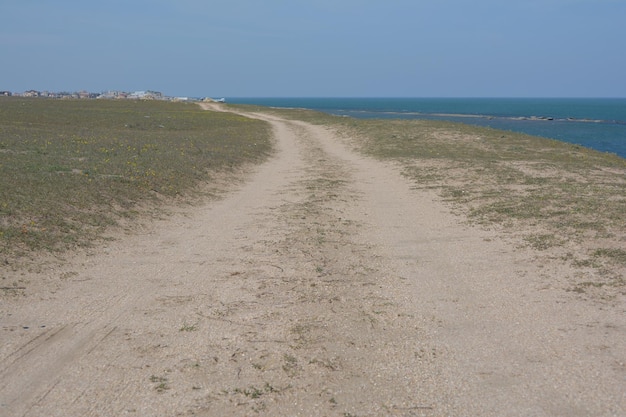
(189, 327)
(592, 284)
(542, 241)
(162, 387)
(454, 193)
(586, 263)
(161, 383)
(612, 254)
(254, 392)
(290, 366)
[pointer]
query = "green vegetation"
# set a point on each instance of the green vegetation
(71, 168)
(161, 383)
(254, 392)
(189, 327)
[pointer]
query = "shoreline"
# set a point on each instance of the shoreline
(577, 126)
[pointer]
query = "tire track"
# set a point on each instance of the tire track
(325, 285)
(128, 280)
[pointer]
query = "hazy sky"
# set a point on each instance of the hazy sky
(342, 48)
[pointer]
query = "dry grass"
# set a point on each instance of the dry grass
(555, 196)
(72, 168)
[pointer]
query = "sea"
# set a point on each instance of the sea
(596, 123)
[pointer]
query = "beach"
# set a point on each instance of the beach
(326, 283)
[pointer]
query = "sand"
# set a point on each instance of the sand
(324, 285)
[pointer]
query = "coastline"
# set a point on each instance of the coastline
(598, 124)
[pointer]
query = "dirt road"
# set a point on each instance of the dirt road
(323, 286)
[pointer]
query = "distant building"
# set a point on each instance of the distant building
(113, 94)
(83, 94)
(146, 95)
(31, 93)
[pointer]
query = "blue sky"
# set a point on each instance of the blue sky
(329, 48)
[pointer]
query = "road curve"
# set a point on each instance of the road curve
(327, 285)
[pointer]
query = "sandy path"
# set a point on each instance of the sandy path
(325, 285)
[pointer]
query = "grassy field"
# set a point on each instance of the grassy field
(562, 200)
(69, 169)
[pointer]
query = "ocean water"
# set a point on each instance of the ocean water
(599, 124)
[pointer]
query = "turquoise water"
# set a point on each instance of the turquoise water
(594, 123)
